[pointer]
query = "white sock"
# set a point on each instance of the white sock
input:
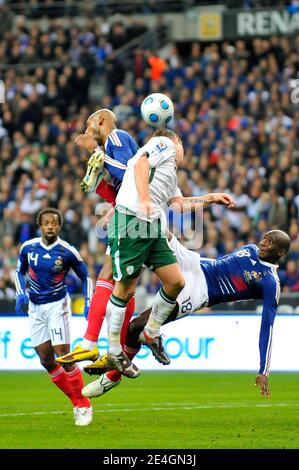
(88, 345)
(116, 309)
(162, 307)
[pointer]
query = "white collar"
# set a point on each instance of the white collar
(270, 265)
(49, 247)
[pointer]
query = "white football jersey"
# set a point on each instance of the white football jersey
(195, 293)
(162, 178)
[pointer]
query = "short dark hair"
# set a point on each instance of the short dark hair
(163, 132)
(48, 210)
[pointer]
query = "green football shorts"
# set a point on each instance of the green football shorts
(134, 243)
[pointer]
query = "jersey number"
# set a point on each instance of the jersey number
(242, 253)
(55, 333)
(33, 257)
(186, 306)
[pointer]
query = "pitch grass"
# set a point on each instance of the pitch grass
(160, 410)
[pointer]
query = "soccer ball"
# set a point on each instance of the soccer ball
(157, 109)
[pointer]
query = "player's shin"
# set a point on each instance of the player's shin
(115, 317)
(59, 378)
(162, 307)
(97, 312)
(115, 375)
(76, 381)
(116, 309)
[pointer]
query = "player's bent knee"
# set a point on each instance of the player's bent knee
(180, 284)
(173, 289)
(48, 363)
(125, 292)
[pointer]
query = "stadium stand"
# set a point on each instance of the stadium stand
(233, 112)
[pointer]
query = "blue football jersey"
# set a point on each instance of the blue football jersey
(47, 268)
(119, 148)
(242, 275)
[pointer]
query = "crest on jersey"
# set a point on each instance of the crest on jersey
(252, 276)
(130, 270)
(161, 146)
(58, 266)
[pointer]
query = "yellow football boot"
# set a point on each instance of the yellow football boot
(99, 367)
(79, 354)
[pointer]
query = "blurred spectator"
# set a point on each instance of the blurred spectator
(232, 110)
(290, 277)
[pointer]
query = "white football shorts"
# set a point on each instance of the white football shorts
(195, 293)
(50, 322)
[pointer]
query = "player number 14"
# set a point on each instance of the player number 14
(33, 257)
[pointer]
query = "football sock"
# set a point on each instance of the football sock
(97, 312)
(162, 306)
(116, 309)
(114, 375)
(128, 315)
(59, 377)
(76, 381)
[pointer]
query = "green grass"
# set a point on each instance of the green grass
(174, 410)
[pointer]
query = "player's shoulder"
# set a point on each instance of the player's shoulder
(159, 145)
(246, 250)
(118, 137)
(70, 249)
(28, 244)
(251, 247)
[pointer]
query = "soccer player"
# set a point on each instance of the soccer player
(88, 349)
(119, 147)
(248, 273)
(136, 238)
(48, 259)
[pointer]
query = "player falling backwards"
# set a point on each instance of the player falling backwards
(48, 260)
(248, 273)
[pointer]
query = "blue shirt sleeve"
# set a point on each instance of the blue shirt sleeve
(119, 148)
(21, 270)
(79, 267)
(271, 292)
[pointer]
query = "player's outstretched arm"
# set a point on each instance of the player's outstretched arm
(188, 204)
(261, 381)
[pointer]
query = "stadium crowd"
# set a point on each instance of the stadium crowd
(232, 109)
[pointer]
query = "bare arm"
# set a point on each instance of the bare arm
(188, 204)
(141, 173)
